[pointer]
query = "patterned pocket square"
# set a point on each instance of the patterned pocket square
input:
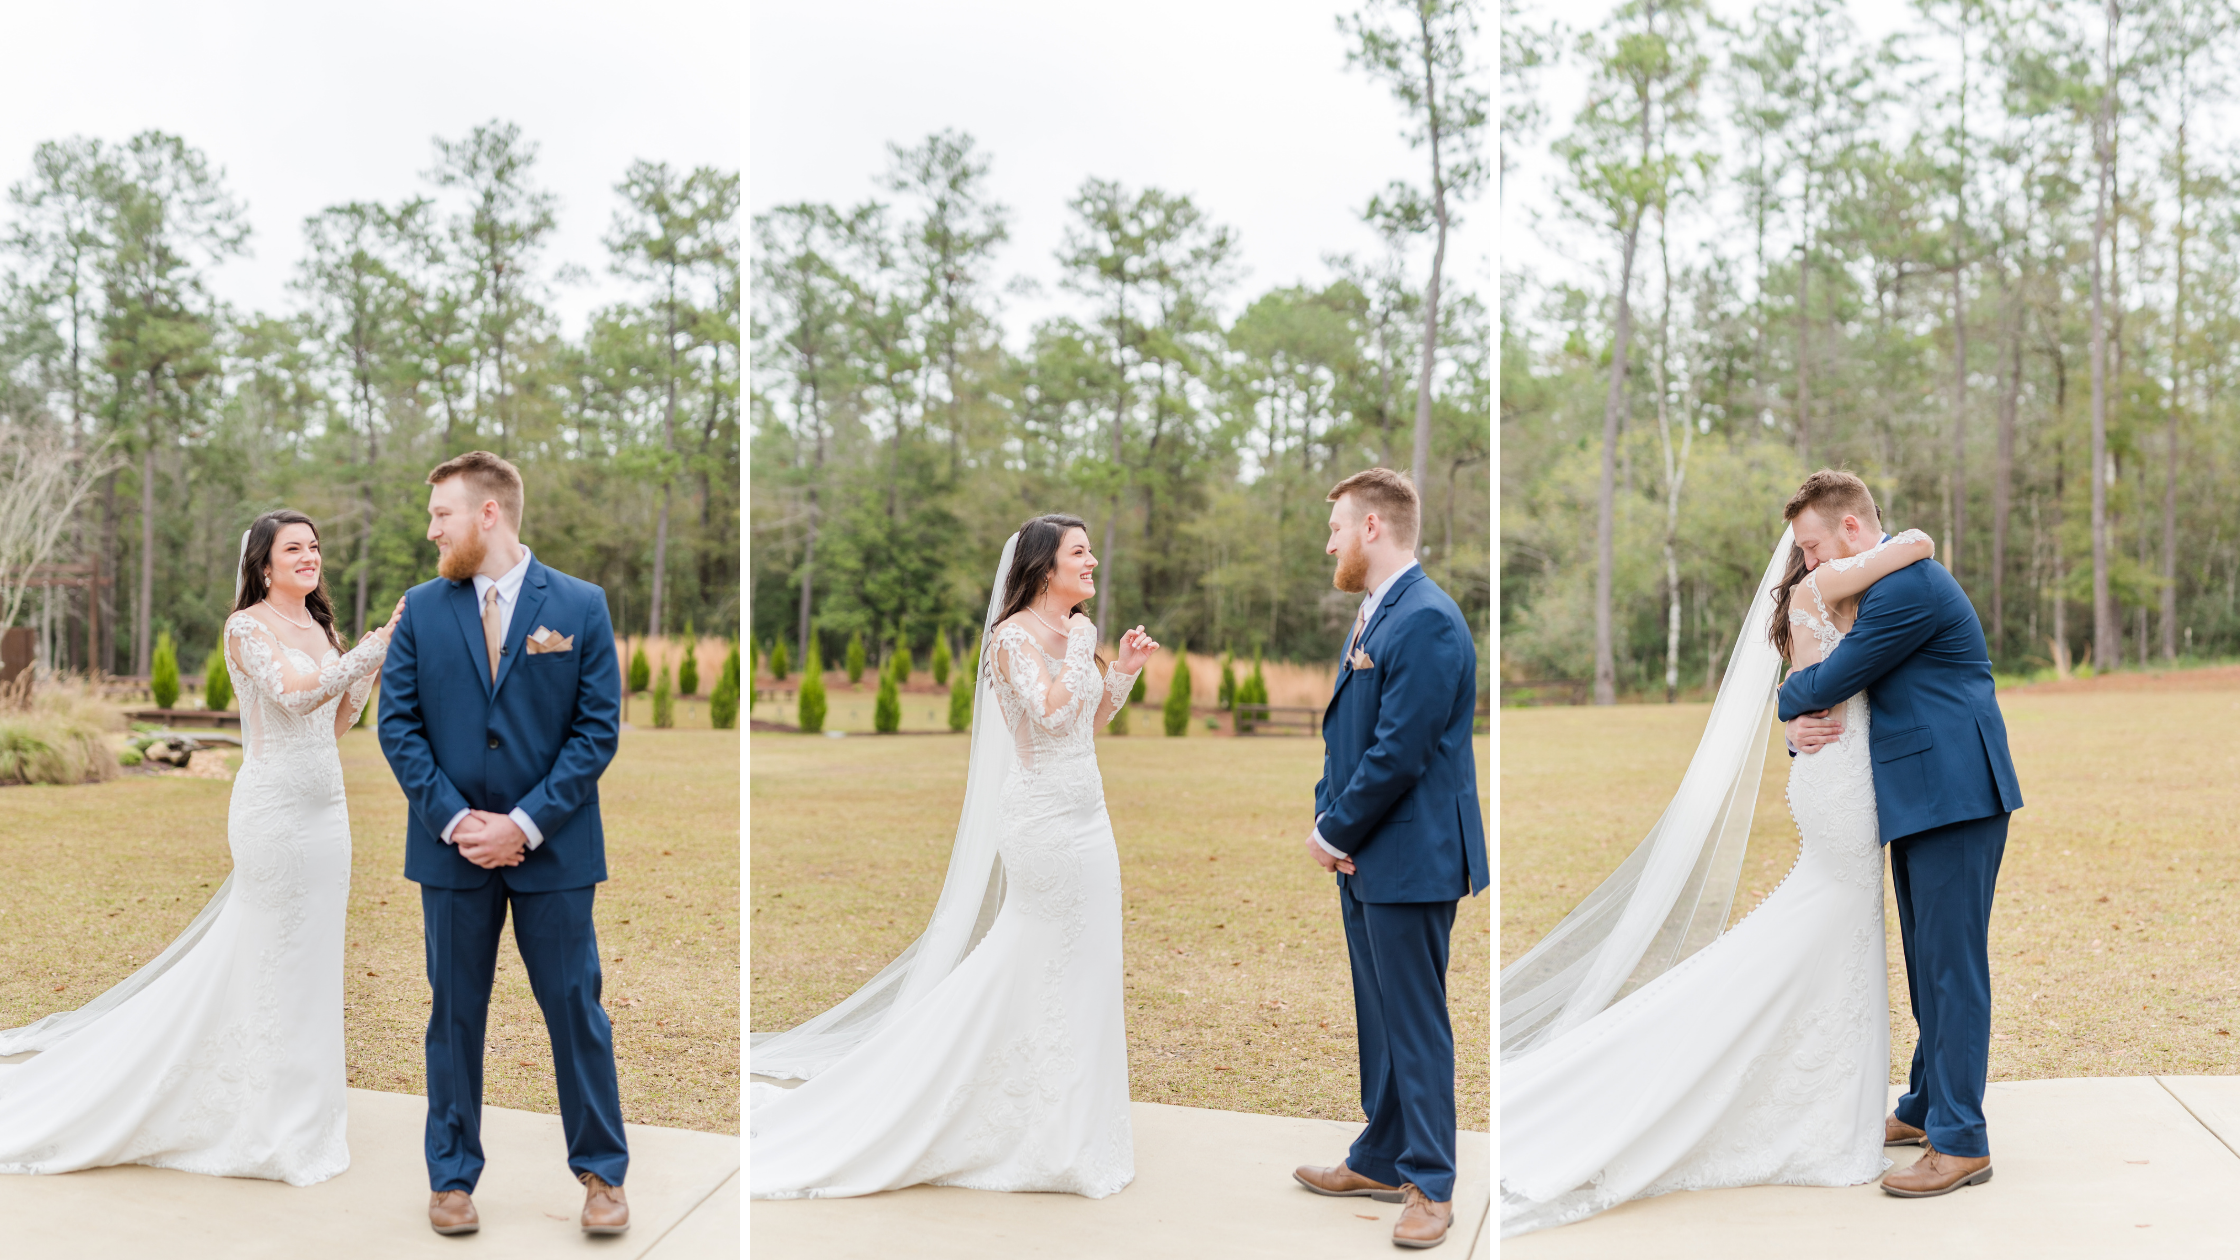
(545, 640)
(1361, 660)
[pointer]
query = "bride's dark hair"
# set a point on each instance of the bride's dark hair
(1032, 563)
(258, 553)
(1782, 590)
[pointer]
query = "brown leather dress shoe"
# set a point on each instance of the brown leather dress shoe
(604, 1211)
(1896, 1132)
(1422, 1222)
(452, 1212)
(1343, 1182)
(1936, 1173)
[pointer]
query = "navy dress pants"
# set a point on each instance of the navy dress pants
(1944, 879)
(561, 954)
(1399, 956)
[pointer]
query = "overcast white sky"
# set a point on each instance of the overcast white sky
(308, 105)
(1247, 107)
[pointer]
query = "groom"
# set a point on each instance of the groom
(1397, 819)
(1943, 789)
(498, 714)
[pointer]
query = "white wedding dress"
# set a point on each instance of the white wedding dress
(1761, 1059)
(224, 1055)
(1010, 1073)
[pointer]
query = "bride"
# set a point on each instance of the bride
(992, 1053)
(1645, 1051)
(224, 1054)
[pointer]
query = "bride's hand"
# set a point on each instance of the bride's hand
(1136, 648)
(394, 617)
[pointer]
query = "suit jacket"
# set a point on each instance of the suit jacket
(537, 739)
(1938, 740)
(1399, 789)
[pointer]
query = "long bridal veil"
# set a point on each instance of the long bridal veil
(1671, 896)
(971, 894)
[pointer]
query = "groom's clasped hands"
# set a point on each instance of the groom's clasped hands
(489, 840)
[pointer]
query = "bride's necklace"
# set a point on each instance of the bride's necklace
(1045, 621)
(313, 625)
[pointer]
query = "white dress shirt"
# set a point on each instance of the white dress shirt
(509, 594)
(1368, 609)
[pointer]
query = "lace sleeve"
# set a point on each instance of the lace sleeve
(1846, 576)
(1117, 687)
(1024, 688)
(354, 699)
(255, 651)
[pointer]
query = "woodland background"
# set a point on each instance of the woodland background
(1990, 261)
(419, 328)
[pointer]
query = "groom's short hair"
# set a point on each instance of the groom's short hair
(1388, 494)
(488, 477)
(1834, 494)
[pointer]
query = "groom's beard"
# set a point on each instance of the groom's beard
(463, 557)
(1352, 576)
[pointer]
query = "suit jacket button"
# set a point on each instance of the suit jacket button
(493, 741)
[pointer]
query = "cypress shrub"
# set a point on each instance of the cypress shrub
(1178, 696)
(941, 661)
(723, 704)
(886, 711)
(960, 692)
(812, 692)
(641, 671)
(217, 685)
(163, 672)
(688, 673)
(900, 664)
(779, 663)
(664, 701)
(1226, 696)
(855, 658)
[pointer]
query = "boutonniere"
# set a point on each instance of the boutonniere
(1360, 660)
(545, 640)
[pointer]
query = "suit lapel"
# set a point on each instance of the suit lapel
(526, 605)
(1361, 644)
(470, 624)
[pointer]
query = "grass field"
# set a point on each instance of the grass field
(1238, 990)
(102, 876)
(2110, 935)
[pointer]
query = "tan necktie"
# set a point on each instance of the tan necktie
(1353, 640)
(493, 630)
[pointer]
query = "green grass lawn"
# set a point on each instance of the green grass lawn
(2110, 931)
(102, 876)
(1238, 990)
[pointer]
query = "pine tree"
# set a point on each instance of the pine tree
(217, 685)
(163, 672)
(664, 701)
(1178, 695)
(723, 704)
(886, 712)
(941, 661)
(855, 658)
(812, 692)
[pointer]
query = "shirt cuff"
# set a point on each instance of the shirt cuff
(528, 828)
(1326, 846)
(453, 825)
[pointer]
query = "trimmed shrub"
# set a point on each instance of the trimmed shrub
(941, 661)
(855, 658)
(812, 709)
(1178, 696)
(901, 665)
(163, 672)
(779, 662)
(723, 703)
(688, 671)
(217, 684)
(886, 711)
(1226, 696)
(960, 692)
(664, 701)
(641, 671)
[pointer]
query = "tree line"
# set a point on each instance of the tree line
(415, 329)
(1991, 263)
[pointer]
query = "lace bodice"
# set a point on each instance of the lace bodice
(288, 700)
(1823, 627)
(1053, 707)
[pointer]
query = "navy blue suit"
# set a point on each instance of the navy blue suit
(1399, 795)
(537, 739)
(1944, 785)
